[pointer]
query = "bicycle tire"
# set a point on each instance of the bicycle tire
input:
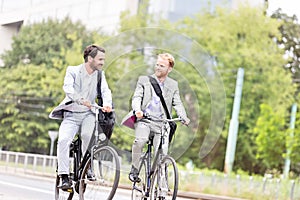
(165, 180)
(139, 188)
(61, 194)
(106, 166)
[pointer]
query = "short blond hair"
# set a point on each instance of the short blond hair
(169, 57)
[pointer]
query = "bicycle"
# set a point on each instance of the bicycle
(105, 165)
(158, 180)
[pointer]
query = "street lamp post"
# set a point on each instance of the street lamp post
(53, 136)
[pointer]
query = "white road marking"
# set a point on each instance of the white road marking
(26, 187)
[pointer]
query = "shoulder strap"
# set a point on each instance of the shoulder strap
(159, 93)
(99, 96)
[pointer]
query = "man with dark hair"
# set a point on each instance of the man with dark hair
(80, 87)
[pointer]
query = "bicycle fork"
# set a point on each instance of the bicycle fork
(149, 171)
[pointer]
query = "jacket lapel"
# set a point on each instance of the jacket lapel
(78, 78)
(166, 88)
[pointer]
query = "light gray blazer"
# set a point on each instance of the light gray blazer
(143, 95)
(73, 89)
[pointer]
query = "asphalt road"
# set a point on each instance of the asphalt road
(16, 187)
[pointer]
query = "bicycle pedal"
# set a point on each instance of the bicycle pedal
(101, 181)
(164, 189)
(66, 189)
(134, 179)
(70, 190)
(137, 180)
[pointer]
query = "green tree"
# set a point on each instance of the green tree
(289, 41)
(240, 38)
(244, 38)
(26, 94)
(139, 33)
(30, 91)
(271, 134)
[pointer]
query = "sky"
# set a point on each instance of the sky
(289, 7)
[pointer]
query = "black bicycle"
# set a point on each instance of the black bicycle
(101, 159)
(158, 179)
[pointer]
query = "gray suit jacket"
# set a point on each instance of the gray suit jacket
(143, 95)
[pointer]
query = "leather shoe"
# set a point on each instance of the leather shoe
(65, 182)
(134, 175)
(90, 175)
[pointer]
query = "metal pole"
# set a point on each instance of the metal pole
(53, 136)
(51, 148)
(287, 162)
(234, 123)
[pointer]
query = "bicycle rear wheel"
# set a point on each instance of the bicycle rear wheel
(165, 180)
(106, 167)
(61, 194)
(139, 188)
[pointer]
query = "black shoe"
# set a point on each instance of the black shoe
(65, 182)
(90, 175)
(134, 175)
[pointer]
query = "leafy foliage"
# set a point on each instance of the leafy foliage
(31, 89)
(244, 38)
(289, 41)
(271, 132)
(26, 95)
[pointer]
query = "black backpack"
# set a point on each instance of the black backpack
(106, 120)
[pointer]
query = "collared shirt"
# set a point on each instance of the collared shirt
(154, 108)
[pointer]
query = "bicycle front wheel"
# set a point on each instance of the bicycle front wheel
(106, 167)
(164, 183)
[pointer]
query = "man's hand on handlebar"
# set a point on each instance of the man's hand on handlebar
(106, 109)
(86, 103)
(186, 122)
(139, 114)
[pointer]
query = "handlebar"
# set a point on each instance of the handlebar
(97, 107)
(157, 119)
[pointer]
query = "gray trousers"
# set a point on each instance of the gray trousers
(69, 127)
(143, 130)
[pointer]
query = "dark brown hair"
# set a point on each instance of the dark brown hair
(92, 50)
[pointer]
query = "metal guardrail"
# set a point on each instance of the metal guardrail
(28, 163)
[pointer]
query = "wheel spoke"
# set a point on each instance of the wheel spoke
(139, 188)
(106, 168)
(165, 180)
